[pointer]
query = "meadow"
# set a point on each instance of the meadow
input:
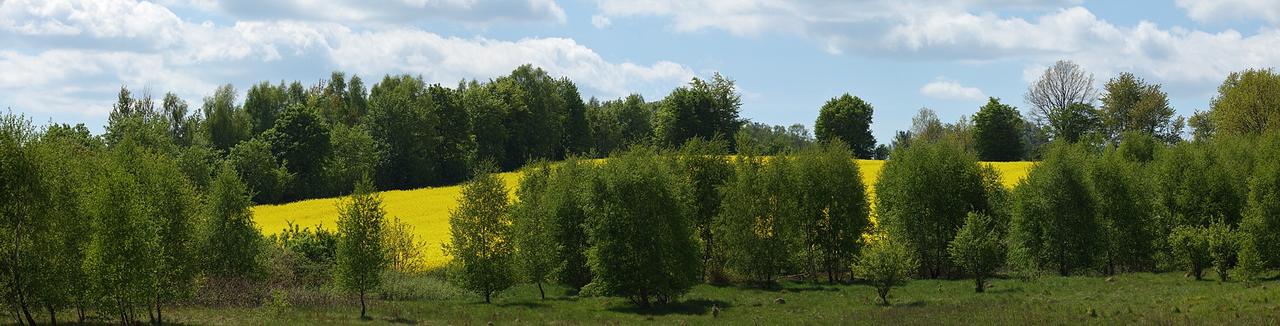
(427, 209)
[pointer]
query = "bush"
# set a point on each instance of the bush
(1223, 244)
(403, 250)
(1054, 225)
(1249, 265)
(923, 195)
(1124, 212)
(753, 225)
(832, 206)
(1262, 214)
(885, 264)
(978, 248)
(1191, 249)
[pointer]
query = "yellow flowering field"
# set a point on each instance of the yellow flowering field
(427, 209)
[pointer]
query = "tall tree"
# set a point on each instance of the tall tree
(1130, 104)
(455, 134)
(533, 227)
(225, 123)
(1248, 102)
(833, 207)
(702, 165)
(300, 139)
(266, 176)
(576, 138)
(263, 103)
(1052, 96)
(1054, 223)
(703, 109)
(119, 255)
(21, 193)
(997, 132)
(755, 226)
(403, 122)
(233, 242)
(847, 118)
(480, 227)
(488, 126)
(360, 254)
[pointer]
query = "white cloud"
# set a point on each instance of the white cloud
(166, 53)
(951, 90)
(1226, 10)
(385, 12)
(600, 21)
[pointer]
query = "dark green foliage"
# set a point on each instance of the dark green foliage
(1124, 209)
(268, 179)
(456, 144)
(233, 242)
(402, 120)
(300, 139)
(1076, 122)
(1055, 225)
(847, 118)
(532, 227)
(315, 253)
(183, 125)
(754, 227)
(487, 114)
(339, 101)
(885, 264)
(997, 132)
(361, 257)
(774, 140)
(225, 123)
(618, 124)
(1248, 103)
(482, 246)
(1191, 249)
(1196, 181)
(978, 248)
(1262, 215)
(263, 103)
(922, 197)
(576, 138)
(1132, 105)
(832, 211)
(703, 109)
(640, 228)
(702, 166)
(354, 155)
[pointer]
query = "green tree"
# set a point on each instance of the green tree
(456, 144)
(225, 123)
(885, 264)
(832, 208)
(361, 256)
(268, 178)
(701, 163)
(847, 118)
(754, 221)
(997, 132)
(487, 114)
(118, 258)
(300, 139)
(1130, 104)
(353, 155)
(402, 121)
(1124, 213)
(1063, 97)
(1223, 243)
(1248, 103)
(640, 228)
(533, 227)
(480, 227)
(1262, 213)
(1054, 224)
(1191, 249)
(703, 109)
(68, 163)
(576, 139)
(776, 139)
(263, 103)
(923, 195)
(978, 248)
(233, 242)
(21, 196)
(183, 125)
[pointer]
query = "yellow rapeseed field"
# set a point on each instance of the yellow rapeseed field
(427, 209)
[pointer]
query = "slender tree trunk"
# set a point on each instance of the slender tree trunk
(159, 315)
(25, 311)
(80, 312)
(17, 276)
(53, 314)
(486, 296)
(540, 292)
(362, 307)
(978, 285)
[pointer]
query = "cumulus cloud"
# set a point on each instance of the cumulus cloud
(951, 90)
(395, 11)
(1226, 10)
(167, 53)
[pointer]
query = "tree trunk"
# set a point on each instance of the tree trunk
(540, 292)
(159, 315)
(486, 296)
(22, 301)
(362, 307)
(978, 285)
(80, 313)
(53, 314)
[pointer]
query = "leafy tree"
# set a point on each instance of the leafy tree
(1054, 223)
(354, 154)
(301, 140)
(885, 264)
(263, 103)
(183, 125)
(172, 211)
(1249, 264)
(533, 227)
(640, 229)
(847, 118)
(21, 193)
(480, 227)
(618, 124)
(1222, 244)
(978, 248)
(832, 206)
(1124, 212)
(1132, 105)
(225, 123)
(268, 178)
(119, 256)
(487, 114)
(1056, 98)
(576, 138)
(1195, 181)
(1248, 103)
(702, 165)
(1262, 213)
(404, 252)
(997, 132)
(774, 140)
(361, 254)
(455, 134)
(67, 166)
(233, 242)
(755, 218)
(1202, 125)
(703, 109)
(922, 197)
(1191, 249)
(402, 120)
(564, 197)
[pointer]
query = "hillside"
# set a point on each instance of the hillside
(427, 209)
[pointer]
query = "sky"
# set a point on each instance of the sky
(63, 61)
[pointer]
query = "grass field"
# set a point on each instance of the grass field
(427, 209)
(1131, 299)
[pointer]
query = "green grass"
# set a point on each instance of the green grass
(1161, 299)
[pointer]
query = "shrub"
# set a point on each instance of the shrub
(885, 264)
(1191, 249)
(404, 251)
(1124, 212)
(1262, 214)
(1249, 265)
(1223, 244)
(978, 248)
(1054, 225)
(832, 206)
(753, 224)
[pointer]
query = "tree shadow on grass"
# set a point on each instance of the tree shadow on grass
(525, 304)
(686, 307)
(401, 320)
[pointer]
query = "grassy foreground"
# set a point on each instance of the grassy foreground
(1163, 299)
(427, 209)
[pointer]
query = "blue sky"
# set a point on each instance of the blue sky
(63, 60)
